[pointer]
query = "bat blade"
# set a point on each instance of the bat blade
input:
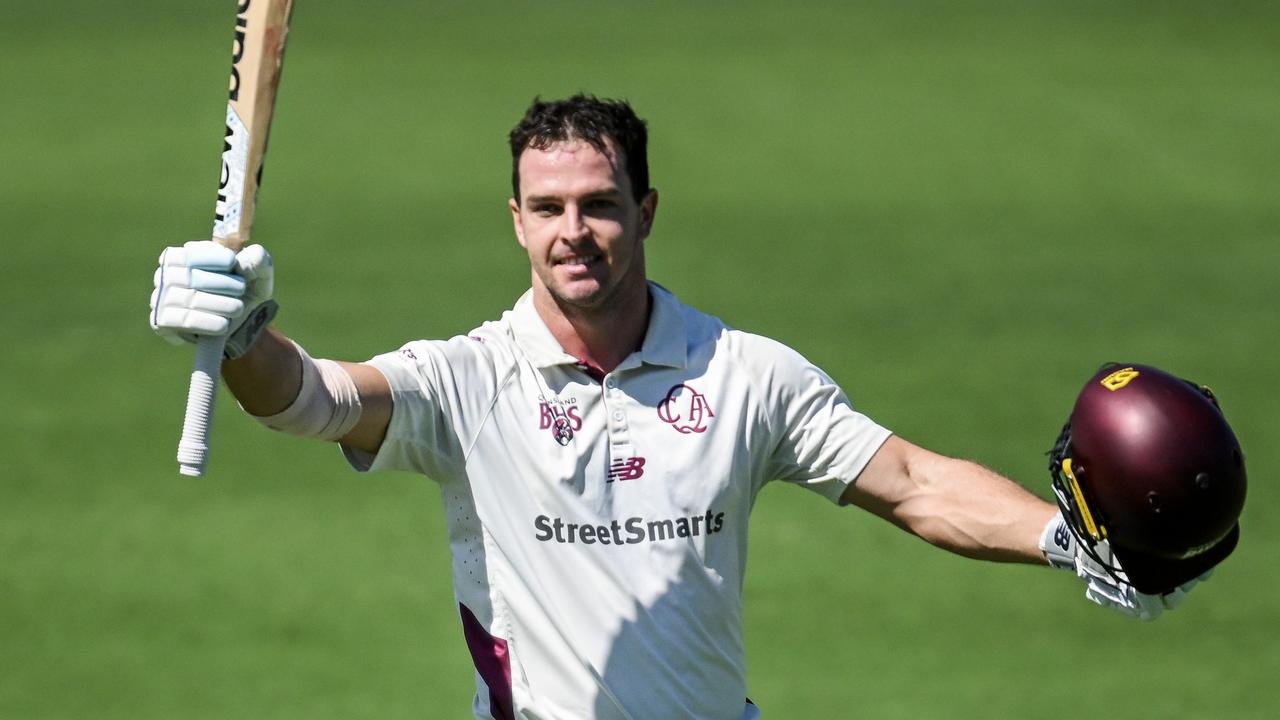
(257, 55)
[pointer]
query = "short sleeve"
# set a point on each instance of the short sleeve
(427, 378)
(821, 442)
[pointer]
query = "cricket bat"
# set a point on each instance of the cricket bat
(256, 57)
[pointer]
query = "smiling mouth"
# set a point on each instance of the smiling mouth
(582, 260)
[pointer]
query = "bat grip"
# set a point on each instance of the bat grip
(193, 449)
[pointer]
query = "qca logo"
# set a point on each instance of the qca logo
(685, 409)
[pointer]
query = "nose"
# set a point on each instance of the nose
(573, 227)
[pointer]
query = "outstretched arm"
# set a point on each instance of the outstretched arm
(965, 508)
(954, 504)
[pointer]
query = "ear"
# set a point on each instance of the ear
(648, 208)
(516, 221)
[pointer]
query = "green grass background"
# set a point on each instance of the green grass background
(959, 209)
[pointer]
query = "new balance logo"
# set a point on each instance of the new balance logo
(626, 469)
(1062, 537)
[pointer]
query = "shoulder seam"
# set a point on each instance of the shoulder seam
(752, 381)
(488, 411)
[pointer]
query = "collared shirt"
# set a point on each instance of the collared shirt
(598, 529)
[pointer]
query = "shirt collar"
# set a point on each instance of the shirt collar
(665, 342)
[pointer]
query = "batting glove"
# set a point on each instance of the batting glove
(203, 288)
(1109, 589)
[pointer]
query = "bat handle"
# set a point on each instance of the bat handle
(193, 449)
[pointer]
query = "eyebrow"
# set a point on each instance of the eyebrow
(611, 192)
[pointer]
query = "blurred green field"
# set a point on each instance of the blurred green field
(958, 209)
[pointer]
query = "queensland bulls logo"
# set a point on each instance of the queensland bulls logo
(562, 420)
(685, 409)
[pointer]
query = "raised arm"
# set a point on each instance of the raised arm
(202, 288)
(268, 379)
(954, 504)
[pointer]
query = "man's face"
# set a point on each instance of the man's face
(579, 223)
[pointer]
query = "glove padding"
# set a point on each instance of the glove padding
(1109, 589)
(203, 288)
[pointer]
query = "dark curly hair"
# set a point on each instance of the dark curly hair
(588, 118)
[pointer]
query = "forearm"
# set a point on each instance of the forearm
(266, 379)
(969, 510)
(350, 402)
(954, 504)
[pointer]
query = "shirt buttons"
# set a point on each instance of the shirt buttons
(610, 382)
(617, 416)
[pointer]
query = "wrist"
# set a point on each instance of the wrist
(245, 335)
(1058, 543)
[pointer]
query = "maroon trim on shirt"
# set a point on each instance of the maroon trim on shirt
(490, 657)
(592, 371)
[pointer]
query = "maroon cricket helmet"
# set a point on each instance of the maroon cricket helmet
(1149, 464)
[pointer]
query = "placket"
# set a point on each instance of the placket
(617, 422)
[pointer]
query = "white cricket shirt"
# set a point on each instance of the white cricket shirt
(599, 529)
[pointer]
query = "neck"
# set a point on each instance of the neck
(601, 337)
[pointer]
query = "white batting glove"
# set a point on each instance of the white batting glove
(1065, 551)
(203, 288)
